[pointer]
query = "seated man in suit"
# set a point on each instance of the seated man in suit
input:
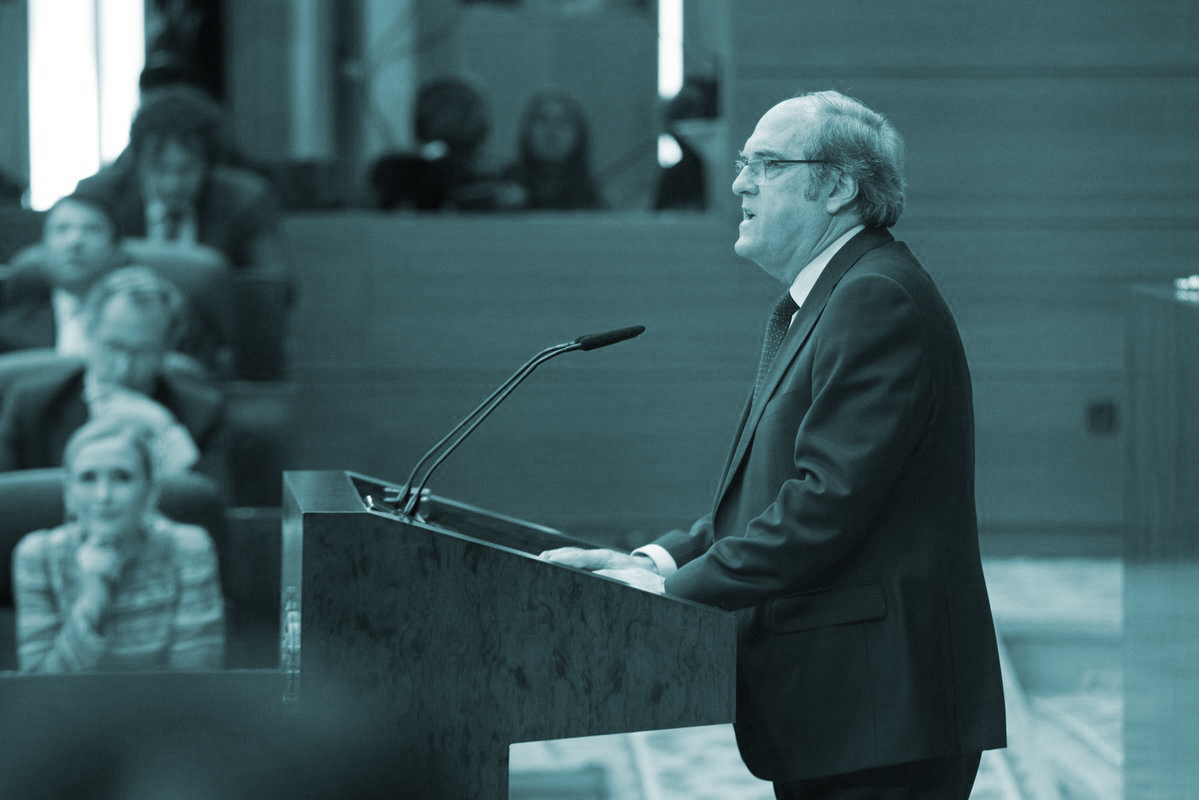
(178, 205)
(132, 317)
(169, 192)
(44, 296)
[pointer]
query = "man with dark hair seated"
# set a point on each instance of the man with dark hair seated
(44, 296)
(44, 293)
(132, 317)
(178, 204)
(170, 190)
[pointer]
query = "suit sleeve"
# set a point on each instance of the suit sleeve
(832, 448)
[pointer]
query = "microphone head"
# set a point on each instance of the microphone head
(591, 341)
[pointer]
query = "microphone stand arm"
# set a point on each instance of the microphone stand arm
(411, 494)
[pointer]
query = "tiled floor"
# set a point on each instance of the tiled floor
(1060, 620)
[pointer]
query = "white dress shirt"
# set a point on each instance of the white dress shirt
(70, 338)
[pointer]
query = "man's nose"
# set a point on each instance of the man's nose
(743, 184)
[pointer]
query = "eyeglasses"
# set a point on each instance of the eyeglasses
(130, 353)
(758, 167)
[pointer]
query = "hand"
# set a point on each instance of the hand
(598, 559)
(174, 449)
(644, 579)
(112, 400)
(638, 570)
(100, 567)
(99, 561)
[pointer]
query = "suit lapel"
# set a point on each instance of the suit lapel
(797, 335)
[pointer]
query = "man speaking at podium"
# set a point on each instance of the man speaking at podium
(844, 534)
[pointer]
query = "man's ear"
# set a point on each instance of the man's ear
(842, 191)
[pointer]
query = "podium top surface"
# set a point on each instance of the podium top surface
(326, 491)
(336, 492)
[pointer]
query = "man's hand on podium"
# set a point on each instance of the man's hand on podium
(638, 571)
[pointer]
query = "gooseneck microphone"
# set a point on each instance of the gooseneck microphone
(410, 494)
(593, 341)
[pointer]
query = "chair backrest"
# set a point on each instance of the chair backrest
(31, 500)
(18, 365)
(21, 364)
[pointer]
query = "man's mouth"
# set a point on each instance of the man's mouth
(747, 214)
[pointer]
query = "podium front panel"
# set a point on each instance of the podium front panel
(469, 645)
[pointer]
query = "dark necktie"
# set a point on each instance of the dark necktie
(776, 330)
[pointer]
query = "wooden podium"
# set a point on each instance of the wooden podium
(463, 642)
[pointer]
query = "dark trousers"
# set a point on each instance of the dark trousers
(933, 779)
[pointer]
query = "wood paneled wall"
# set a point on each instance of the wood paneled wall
(406, 323)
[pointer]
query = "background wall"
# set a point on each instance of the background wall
(370, 56)
(14, 88)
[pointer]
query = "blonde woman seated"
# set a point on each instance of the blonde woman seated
(118, 587)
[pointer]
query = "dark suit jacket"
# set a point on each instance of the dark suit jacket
(844, 535)
(27, 314)
(28, 326)
(235, 208)
(40, 413)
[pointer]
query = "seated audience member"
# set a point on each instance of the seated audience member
(452, 123)
(117, 587)
(44, 294)
(554, 169)
(682, 186)
(131, 319)
(173, 199)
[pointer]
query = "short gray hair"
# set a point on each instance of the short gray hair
(145, 289)
(856, 141)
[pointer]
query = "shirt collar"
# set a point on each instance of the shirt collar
(64, 302)
(807, 276)
(70, 339)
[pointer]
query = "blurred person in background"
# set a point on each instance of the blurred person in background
(554, 167)
(682, 186)
(173, 199)
(44, 292)
(43, 297)
(117, 587)
(447, 171)
(131, 319)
